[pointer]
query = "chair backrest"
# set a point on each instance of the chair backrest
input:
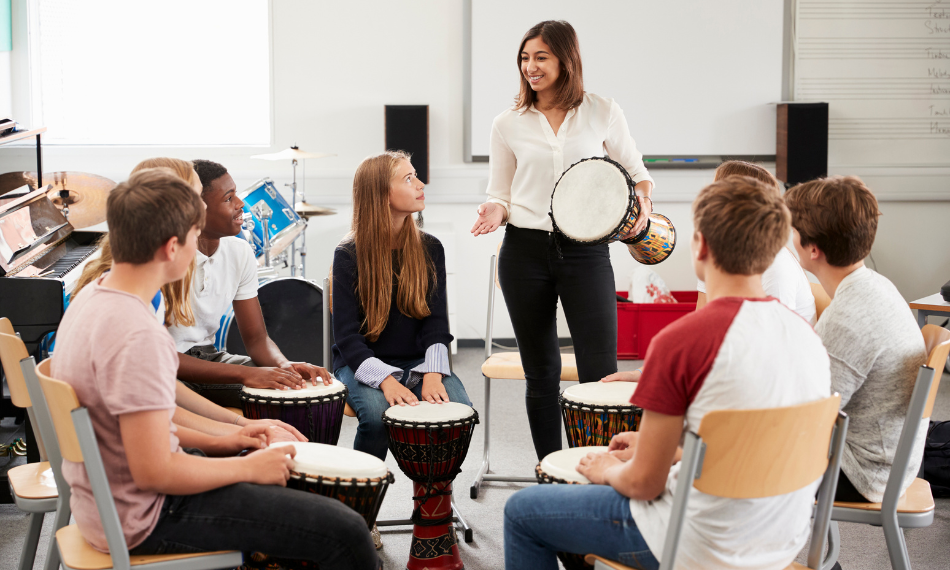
(328, 339)
(44, 423)
(6, 327)
(937, 340)
(822, 300)
(746, 454)
(12, 351)
(77, 442)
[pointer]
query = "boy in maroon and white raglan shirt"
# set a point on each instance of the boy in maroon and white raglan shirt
(743, 350)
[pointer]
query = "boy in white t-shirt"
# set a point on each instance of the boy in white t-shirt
(743, 350)
(226, 276)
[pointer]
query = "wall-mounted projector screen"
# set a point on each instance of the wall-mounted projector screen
(693, 77)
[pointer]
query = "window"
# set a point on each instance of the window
(169, 72)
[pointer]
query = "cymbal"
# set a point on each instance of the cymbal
(292, 153)
(86, 196)
(307, 211)
(13, 180)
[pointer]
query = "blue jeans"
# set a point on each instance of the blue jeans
(370, 403)
(580, 519)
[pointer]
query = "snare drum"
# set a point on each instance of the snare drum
(317, 411)
(594, 202)
(357, 479)
(429, 443)
(560, 467)
(596, 411)
(284, 224)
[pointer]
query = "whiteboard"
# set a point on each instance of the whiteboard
(693, 77)
(884, 69)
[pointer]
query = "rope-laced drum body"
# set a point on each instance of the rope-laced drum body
(594, 412)
(430, 442)
(560, 468)
(317, 411)
(594, 202)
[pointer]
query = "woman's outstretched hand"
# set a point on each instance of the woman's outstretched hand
(490, 216)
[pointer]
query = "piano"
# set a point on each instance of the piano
(41, 259)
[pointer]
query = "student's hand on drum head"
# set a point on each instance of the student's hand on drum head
(281, 431)
(433, 391)
(594, 466)
(248, 437)
(490, 216)
(270, 466)
(623, 376)
(623, 445)
(273, 378)
(396, 393)
(310, 371)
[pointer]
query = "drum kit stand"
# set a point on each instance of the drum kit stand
(302, 208)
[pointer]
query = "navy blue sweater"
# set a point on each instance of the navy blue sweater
(404, 337)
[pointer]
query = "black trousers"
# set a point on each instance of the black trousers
(533, 276)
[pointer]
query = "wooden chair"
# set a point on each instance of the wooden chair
(504, 366)
(750, 454)
(77, 442)
(34, 485)
(822, 300)
(915, 508)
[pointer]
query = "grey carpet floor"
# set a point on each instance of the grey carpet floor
(512, 453)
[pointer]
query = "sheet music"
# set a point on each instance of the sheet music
(884, 68)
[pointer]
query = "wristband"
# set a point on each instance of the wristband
(647, 198)
(235, 420)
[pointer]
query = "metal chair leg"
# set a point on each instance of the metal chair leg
(61, 519)
(486, 427)
(834, 547)
(896, 547)
(28, 554)
(461, 525)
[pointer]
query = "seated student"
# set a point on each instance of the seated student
(784, 279)
(743, 350)
(192, 410)
(868, 329)
(390, 318)
(169, 500)
(226, 275)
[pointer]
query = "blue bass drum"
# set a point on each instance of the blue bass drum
(293, 315)
(284, 225)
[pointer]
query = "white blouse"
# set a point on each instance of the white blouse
(527, 158)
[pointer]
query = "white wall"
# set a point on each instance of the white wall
(335, 65)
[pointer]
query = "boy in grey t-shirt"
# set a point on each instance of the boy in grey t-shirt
(871, 336)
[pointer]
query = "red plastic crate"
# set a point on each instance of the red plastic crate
(638, 323)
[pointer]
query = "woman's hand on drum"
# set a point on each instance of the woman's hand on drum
(270, 466)
(490, 216)
(281, 431)
(594, 466)
(623, 445)
(623, 376)
(646, 208)
(309, 371)
(273, 378)
(396, 393)
(433, 391)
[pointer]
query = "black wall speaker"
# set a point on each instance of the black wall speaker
(801, 151)
(407, 129)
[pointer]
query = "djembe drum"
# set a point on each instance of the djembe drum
(317, 411)
(430, 442)
(594, 203)
(594, 412)
(560, 468)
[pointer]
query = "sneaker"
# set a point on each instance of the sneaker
(377, 540)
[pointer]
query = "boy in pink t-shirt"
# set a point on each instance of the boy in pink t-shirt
(743, 350)
(122, 364)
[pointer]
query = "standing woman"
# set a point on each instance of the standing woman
(553, 124)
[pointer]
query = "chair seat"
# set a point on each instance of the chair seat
(507, 365)
(917, 499)
(592, 558)
(33, 481)
(348, 410)
(76, 553)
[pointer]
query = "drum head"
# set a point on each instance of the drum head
(562, 464)
(293, 315)
(601, 393)
(590, 200)
(310, 391)
(431, 413)
(318, 459)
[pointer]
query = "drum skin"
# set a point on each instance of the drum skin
(588, 425)
(431, 454)
(319, 419)
(293, 315)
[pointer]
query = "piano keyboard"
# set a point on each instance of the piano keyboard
(69, 261)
